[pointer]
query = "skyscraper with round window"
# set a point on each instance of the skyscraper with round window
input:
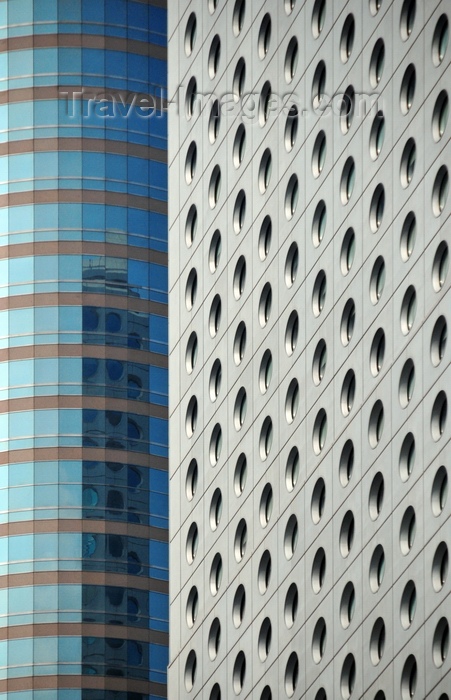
(310, 359)
(83, 350)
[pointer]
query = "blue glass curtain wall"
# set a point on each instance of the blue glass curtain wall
(83, 346)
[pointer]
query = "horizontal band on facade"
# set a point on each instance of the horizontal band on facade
(83, 144)
(39, 454)
(77, 681)
(63, 92)
(88, 41)
(98, 403)
(107, 527)
(86, 196)
(100, 351)
(21, 250)
(75, 299)
(83, 629)
(88, 578)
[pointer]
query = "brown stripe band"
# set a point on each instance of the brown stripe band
(64, 92)
(79, 681)
(68, 299)
(83, 629)
(88, 145)
(88, 41)
(28, 352)
(87, 578)
(21, 250)
(85, 196)
(101, 527)
(98, 403)
(95, 454)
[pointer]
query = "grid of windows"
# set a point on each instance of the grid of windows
(310, 409)
(84, 335)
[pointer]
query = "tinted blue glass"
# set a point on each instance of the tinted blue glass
(90, 367)
(21, 372)
(45, 267)
(91, 318)
(137, 16)
(138, 170)
(113, 322)
(19, 13)
(46, 216)
(128, 498)
(45, 11)
(138, 272)
(22, 218)
(93, 12)
(93, 165)
(20, 270)
(45, 112)
(70, 165)
(116, 12)
(158, 660)
(70, 60)
(157, 71)
(93, 62)
(46, 164)
(115, 63)
(139, 66)
(45, 319)
(158, 20)
(21, 321)
(159, 280)
(20, 424)
(20, 114)
(69, 11)
(46, 370)
(93, 216)
(70, 215)
(158, 175)
(19, 166)
(20, 63)
(115, 369)
(46, 422)
(69, 267)
(70, 421)
(45, 61)
(158, 436)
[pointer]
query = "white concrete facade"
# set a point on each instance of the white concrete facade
(309, 367)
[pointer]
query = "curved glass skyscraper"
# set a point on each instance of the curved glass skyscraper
(83, 350)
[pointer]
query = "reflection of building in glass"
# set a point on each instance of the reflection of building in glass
(310, 300)
(83, 351)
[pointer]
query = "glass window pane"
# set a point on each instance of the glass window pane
(45, 650)
(46, 61)
(20, 12)
(69, 11)
(20, 63)
(46, 422)
(46, 165)
(20, 652)
(70, 317)
(21, 114)
(20, 166)
(21, 424)
(46, 216)
(46, 319)
(46, 11)
(45, 597)
(45, 267)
